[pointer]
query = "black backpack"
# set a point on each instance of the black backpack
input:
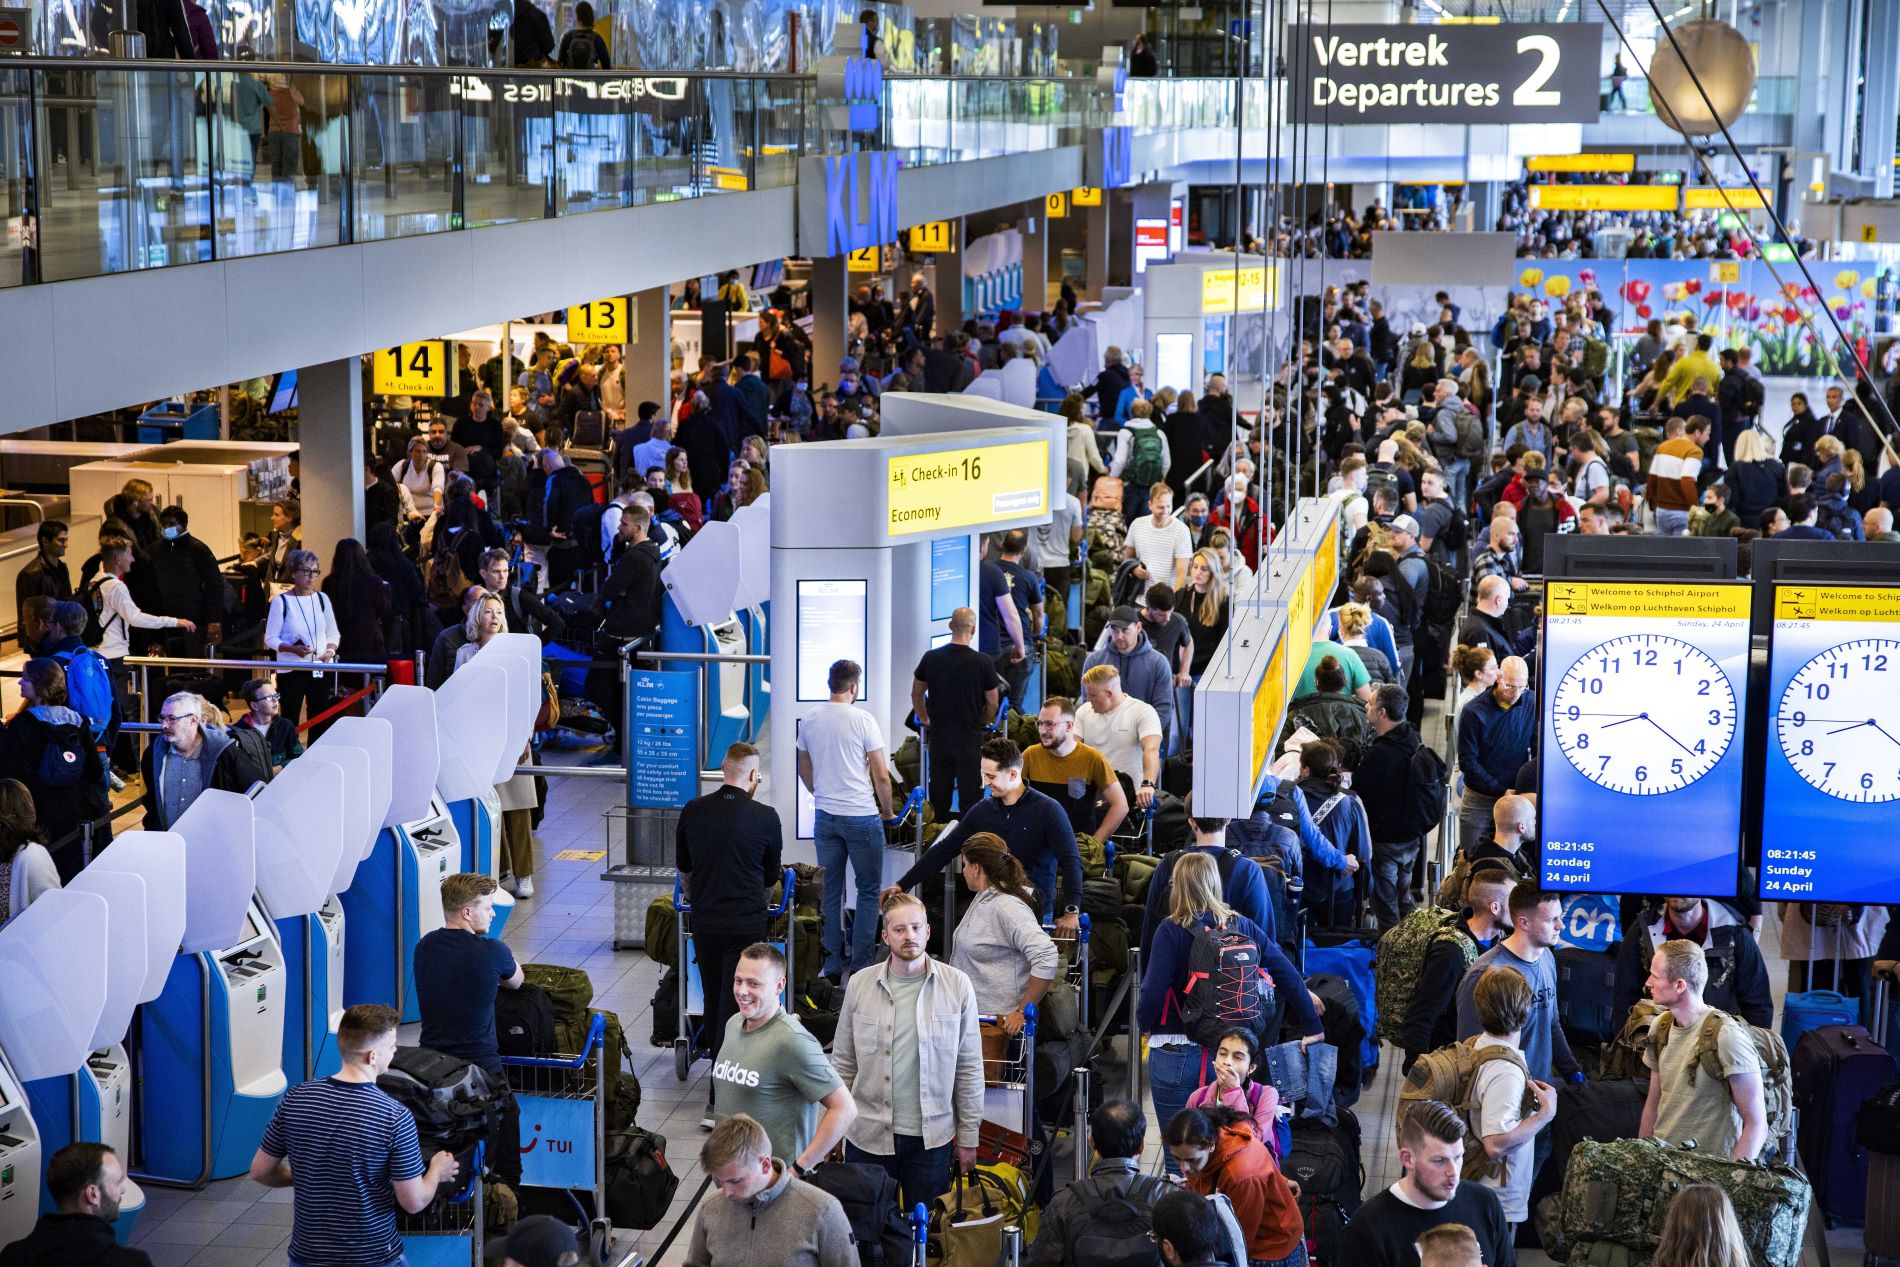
(63, 758)
(1227, 985)
(95, 631)
(1112, 1228)
(248, 755)
(640, 1185)
(524, 1021)
(1324, 1161)
(453, 1104)
(869, 1197)
(580, 52)
(1424, 790)
(1443, 594)
(583, 534)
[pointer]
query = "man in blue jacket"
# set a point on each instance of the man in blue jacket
(1496, 733)
(1144, 671)
(1243, 886)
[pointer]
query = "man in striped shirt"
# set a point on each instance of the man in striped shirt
(1673, 472)
(350, 1151)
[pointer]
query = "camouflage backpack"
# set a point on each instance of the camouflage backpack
(1777, 1076)
(1623, 1055)
(1453, 894)
(1449, 1076)
(1401, 959)
(1617, 1193)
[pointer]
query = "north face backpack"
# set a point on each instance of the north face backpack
(524, 1021)
(1113, 1228)
(1226, 985)
(1144, 463)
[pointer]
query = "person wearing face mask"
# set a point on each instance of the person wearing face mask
(181, 579)
(727, 848)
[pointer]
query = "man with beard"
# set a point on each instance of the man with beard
(86, 1182)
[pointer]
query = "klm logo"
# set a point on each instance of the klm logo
(863, 92)
(1117, 157)
(1121, 85)
(860, 201)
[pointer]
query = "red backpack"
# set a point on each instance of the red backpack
(1227, 985)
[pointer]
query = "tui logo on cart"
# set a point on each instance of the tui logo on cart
(557, 1141)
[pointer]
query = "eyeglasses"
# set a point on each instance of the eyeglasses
(169, 719)
(266, 698)
(306, 572)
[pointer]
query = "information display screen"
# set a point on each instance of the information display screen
(832, 621)
(949, 576)
(1643, 690)
(1832, 775)
(1174, 361)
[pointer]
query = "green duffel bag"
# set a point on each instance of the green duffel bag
(663, 937)
(1108, 944)
(572, 994)
(1094, 855)
(1136, 872)
(909, 762)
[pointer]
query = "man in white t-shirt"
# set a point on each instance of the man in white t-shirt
(1502, 1089)
(1052, 545)
(1125, 730)
(1161, 543)
(841, 763)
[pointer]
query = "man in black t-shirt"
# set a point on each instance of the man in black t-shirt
(454, 966)
(1167, 629)
(728, 849)
(955, 695)
(1025, 593)
(1385, 1231)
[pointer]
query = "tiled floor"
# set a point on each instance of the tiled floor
(570, 921)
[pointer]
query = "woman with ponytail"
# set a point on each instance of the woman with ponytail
(1000, 944)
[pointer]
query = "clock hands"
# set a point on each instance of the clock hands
(1883, 730)
(1665, 734)
(1630, 717)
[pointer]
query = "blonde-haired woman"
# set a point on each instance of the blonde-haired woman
(1354, 621)
(1756, 479)
(1701, 1230)
(1178, 1065)
(486, 619)
(1203, 603)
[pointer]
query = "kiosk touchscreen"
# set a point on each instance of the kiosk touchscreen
(395, 896)
(211, 1045)
(54, 965)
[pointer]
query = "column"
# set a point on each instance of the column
(330, 453)
(1095, 249)
(1035, 226)
(650, 355)
(947, 283)
(831, 317)
(1881, 103)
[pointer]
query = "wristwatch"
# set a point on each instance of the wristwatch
(1147, 783)
(1071, 910)
(799, 1170)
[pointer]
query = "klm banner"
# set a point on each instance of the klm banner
(859, 206)
(863, 92)
(1504, 73)
(1111, 163)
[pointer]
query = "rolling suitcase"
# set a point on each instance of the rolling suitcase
(1807, 1010)
(1837, 1068)
(1878, 1126)
(1586, 993)
(1886, 1025)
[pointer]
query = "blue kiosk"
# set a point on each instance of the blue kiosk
(142, 879)
(213, 1040)
(395, 897)
(699, 615)
(53, 961)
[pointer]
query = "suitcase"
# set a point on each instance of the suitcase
(1806, 1010)
(1837, 1068)
(1586, 994)
(1881, 1235)
(1348, 953)
(1886, 1026)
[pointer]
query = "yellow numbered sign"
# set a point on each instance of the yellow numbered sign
(1086, 196)
(1056, 206)
(865, 261)
(1726, 272)
(932, 238)
(414, 369)
(602, 321)
(1868, 233)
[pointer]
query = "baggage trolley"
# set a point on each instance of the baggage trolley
(919, 1218)
(1074, 965)
(449, 1232)
(1009, 1075)
(692, 1000)
(1135, 833)
(563, 1105)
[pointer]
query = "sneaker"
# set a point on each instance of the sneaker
(525, 886)
(118, 784)
(706, 1123)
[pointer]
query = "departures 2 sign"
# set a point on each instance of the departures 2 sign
(1508, 73)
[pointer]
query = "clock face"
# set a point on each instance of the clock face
(1839, 720)
(1644, 714)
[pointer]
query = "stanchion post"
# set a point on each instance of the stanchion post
(1134, 1030)
(1079, 1132)
(1012, 1246)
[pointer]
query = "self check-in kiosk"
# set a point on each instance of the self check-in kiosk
(485, 717)
(396, 895)
(53, 963)
(210, 1047)
(752, 601)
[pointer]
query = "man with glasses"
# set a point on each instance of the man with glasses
(1076, 776)
(1495, 734)
(183, 760)
(266, 717)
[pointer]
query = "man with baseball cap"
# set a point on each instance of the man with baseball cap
(1144, 671)
(540, 1240)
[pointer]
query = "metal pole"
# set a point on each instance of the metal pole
(1079, 1132)
(1134, 1030)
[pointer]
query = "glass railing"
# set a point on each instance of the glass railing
(1774, 94)
(952, 119)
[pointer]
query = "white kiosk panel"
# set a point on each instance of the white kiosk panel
(361, 820)
(706, 590)
(54, 963)
(754, 522)
(410, 712)
(520, 656)
(471, 714)
(158, 859)
(220, 831)
(127, 947)
(299, 837)
(376, 737)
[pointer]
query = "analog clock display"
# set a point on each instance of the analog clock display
(1839, 720)
(1644, 714)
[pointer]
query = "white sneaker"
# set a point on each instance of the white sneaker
(525, 888)
(508, 886)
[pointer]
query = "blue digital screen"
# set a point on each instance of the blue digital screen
(949, 576)
(832, 621)
(1832, 768)
(1640, 739)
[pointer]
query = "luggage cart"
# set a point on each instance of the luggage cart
(1141, 839)
(564, 1125)
(692, 999)
(1075, 967)
(449, 1232)
(1009, 1080)
(919, 1217)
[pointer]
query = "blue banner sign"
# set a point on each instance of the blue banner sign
(860, 201)
(557, 1142)
(663, 726)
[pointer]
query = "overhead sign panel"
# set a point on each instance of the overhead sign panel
(972, 488)
(1721, 198)
(1508, 73)
(1581, 163)
(1644, 687)
(1225, 290)
(1604, 197)
(1832, 775)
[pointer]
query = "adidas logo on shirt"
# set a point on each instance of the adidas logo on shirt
(739, 1075)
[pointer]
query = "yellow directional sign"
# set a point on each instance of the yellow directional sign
(1086, 196)
(1725, 272)
(602, 321)
(413, 369)
(1056, 206)
(865, 261)
(1581, 162)
(934, 238)
(1605, 197)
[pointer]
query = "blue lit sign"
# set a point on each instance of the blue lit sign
(1117, 157)
(856, 183)
(863, 92)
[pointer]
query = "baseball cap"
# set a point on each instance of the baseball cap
(1418, 327)
(1124, 616)
(1405, 523)
(536, 1241)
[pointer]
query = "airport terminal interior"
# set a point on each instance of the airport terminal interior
(692, 633)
